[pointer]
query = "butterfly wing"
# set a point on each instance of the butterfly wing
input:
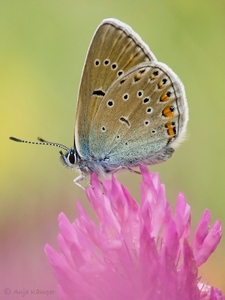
(114, 49)
(141, 118)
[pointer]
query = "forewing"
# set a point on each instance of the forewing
(114, 49)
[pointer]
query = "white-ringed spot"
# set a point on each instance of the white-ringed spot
(114, 66)
(146, 100)
(140, 93)
(148, 110)
(110, 103)
(106, 62)
(147, 122)
(125, 96)
(97, 62)
(119, 73)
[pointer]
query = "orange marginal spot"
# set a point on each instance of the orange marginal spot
(151, 77)
(137, 77)
(164, 97)
(171, 130)
(160, 85)
(167, 112)
(168, 124)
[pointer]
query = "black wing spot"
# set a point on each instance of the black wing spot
(148, 110)
(124, 120)
(172, 108)
(125, 96)
(110, 103)
(114, 66)
(100, 93)
(106, 62)
(141, 71)
(146, 100)
(97, 62)
(140, 93)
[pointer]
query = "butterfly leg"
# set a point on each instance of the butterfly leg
(126, 168)
(133, 171)
(81, 177)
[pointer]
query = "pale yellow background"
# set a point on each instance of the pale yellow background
(42, 50)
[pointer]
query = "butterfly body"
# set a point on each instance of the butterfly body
(104, 165)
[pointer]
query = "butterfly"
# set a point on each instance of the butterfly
(131, 108)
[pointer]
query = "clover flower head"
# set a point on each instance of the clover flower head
(135, 252)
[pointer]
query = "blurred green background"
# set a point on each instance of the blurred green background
(43, 45)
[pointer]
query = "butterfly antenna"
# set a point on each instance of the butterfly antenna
(41, 142)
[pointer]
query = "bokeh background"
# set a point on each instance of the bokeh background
(43, 45)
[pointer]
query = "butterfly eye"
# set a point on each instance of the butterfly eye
(72, 158)
(69, 159)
